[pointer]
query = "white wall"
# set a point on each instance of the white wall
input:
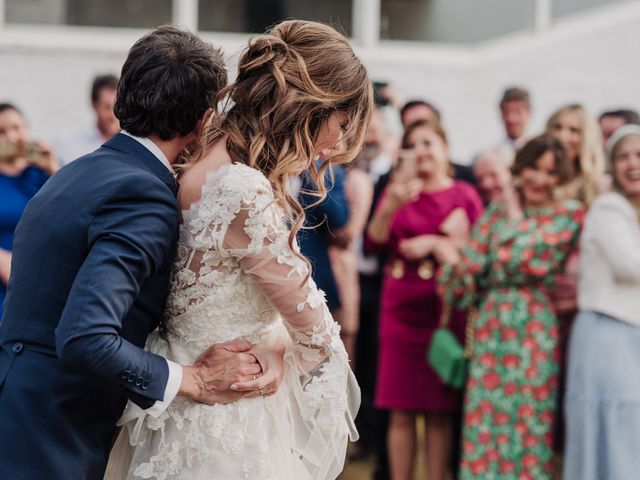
(52, 87)
(591, 59)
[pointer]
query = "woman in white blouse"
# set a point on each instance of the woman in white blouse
(602, 404)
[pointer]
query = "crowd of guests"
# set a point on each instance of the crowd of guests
(505, 253)
(529, 256)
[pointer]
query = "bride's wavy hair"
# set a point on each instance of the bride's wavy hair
(290, 80)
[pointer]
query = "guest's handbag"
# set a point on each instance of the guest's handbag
(446, 355)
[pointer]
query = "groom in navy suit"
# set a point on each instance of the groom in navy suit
(91, 265)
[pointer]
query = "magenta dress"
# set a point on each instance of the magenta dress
(410, 307)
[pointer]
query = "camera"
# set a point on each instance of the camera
(12, 151)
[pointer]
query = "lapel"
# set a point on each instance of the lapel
(147, 160)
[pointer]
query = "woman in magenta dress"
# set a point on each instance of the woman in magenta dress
(421, 210)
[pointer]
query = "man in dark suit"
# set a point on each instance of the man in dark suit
(91, 264)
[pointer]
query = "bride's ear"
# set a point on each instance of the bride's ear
(204, 122)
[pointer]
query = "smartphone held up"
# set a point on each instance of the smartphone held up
(406, 168)
(32, 152)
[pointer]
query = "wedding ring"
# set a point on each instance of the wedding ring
(261, 392)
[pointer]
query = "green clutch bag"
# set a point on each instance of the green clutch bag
(446, 355)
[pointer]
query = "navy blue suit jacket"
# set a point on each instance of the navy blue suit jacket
(325, 218)
(91, 264)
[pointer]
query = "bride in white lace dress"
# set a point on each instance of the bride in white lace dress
(300, 91)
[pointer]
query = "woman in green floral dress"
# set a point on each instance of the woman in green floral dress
(507, 271)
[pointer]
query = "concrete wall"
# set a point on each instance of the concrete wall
(590, 59)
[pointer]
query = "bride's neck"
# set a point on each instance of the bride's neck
(213, 158)
(216, 156)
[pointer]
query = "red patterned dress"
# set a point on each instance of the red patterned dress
(508, 270)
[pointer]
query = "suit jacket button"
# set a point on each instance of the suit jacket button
(124, 374)
(145, 384)
(17, 348)
(139, 381)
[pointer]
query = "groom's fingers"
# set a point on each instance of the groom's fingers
(251, 371)
(237, 346)
(245, 359)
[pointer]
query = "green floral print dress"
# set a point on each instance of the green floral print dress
(507, 271)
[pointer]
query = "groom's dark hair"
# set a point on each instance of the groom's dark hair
(169, 80)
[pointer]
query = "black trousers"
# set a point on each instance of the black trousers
(371, 422)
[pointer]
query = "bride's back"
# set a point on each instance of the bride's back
(211, 297)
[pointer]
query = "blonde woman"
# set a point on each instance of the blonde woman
(603, 383)
(578, 132)
(300, 91)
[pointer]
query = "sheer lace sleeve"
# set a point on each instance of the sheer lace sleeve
(325, 390)
(259, 238)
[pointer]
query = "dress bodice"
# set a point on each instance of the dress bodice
(530, 252)
(526, 254)
(232, 240)
(425, 215)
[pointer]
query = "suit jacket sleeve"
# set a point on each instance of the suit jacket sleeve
(130, 236)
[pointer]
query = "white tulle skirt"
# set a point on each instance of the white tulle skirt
(299, 433)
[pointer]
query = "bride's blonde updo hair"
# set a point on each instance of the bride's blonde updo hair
(289, 82)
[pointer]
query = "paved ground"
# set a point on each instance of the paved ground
(362, 470)
(357, 471)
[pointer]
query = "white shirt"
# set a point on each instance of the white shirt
(513, 144)
(610, 259)
(379, 166)
(175, 370)
(152, 147)
(76, 143)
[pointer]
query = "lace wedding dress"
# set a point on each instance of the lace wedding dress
(236, 277)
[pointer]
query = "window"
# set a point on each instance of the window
(111, 13)
(444, 21)
(453, 21)
(562, 8)
(250, 16)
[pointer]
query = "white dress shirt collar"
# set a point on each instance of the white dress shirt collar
(152, 147)
(381, 164)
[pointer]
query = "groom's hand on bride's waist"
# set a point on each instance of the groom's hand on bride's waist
(222, 365)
